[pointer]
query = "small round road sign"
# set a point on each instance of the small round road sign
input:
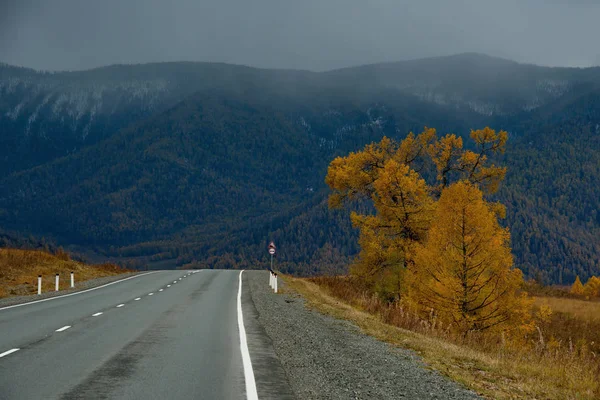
(271, 251)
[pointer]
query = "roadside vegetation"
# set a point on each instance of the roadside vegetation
(558, 361)
(436, 263)
(19, 270)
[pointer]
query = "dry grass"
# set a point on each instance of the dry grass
(19, 270)
(493, 370)
(583, 309)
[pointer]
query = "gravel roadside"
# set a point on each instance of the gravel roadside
(79, 286)
(326, 358)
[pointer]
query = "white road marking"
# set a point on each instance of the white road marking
(168, 285)
(76, 293)
(251, 393)
(64, 328)
(8, 352)
(150, 294)
(174, 281)
(179, 278)
(120, 305)
(160, 290)
(95, 315)
(137, 298)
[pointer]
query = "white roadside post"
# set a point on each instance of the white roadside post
(57, 278)
(39, 284)
(275, 283)
(72, 280)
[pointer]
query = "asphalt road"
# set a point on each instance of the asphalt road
(162, 335)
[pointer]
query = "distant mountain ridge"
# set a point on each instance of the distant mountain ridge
(202, 162)
(53, 114)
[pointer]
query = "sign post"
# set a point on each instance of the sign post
(272, 252)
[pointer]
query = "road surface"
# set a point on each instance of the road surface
(161, 335)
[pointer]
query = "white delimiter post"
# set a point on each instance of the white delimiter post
(39, 284)
(72, 280)
(275, 283)
(57, 277)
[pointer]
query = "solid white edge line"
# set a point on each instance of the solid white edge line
(95, 315)
(76, 293)
(251, 393)
(120, 305)
(8, 352)
(64, 328)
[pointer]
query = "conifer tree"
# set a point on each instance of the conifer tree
(577, 287)
(390, 175)
(592, 287)
(464, 271)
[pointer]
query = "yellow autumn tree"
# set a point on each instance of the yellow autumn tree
(390, 176)
(592, 287)
(577, 287)
(404, 210)
(464, 270)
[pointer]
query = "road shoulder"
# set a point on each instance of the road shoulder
(271, 379)
(324, 357)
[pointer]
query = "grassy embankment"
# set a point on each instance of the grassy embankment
(19, 270)
(559, 361)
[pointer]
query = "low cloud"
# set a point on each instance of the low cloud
(307, 34)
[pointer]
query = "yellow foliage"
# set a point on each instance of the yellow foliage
(464, 269)
(445, 154)
(544, 313)
(388, 174)
(592, 287)
(577, 287)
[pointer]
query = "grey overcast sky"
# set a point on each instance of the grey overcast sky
(305, 34)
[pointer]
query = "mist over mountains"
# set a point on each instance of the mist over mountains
(201, 164)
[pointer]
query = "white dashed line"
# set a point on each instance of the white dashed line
(138, 298)
(95, 315)
(120, 305)
(8, 352)
(174, 281)
(64, 328)
(150, 294)
(168, 285)
(160, 290)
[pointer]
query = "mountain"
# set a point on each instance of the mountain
(201, 164)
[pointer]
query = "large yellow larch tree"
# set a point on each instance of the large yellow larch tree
(464, 271)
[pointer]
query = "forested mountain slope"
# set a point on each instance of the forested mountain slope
(203, 163)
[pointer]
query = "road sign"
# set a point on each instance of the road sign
(272, 253)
